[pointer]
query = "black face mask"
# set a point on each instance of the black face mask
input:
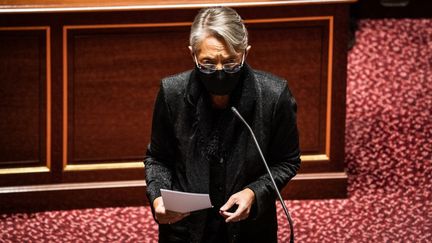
(219, 82)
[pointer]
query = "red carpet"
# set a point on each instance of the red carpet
(388, 156)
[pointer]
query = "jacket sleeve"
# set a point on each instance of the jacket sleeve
(160, 152)
(283, 154)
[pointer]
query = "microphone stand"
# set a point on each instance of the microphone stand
(270, 174)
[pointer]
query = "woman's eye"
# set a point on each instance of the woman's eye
(207, 61)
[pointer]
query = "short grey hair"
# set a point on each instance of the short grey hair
(221, 22)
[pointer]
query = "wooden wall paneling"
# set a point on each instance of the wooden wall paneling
(72, 195)
(284, 47)
(328, 167)
(91, 80)
(96, 35)
(279, 42)
(339, 89)
(113, 74)
(317, 186)
(25, 104)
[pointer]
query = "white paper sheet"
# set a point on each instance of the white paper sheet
(184, 202)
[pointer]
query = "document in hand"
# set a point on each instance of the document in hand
(184, 202)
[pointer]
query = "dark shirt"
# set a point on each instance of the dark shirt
(215, 229)
(216, 160)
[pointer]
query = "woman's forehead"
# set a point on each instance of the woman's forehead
(211, 47)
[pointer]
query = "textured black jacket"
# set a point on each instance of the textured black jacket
(175, 158)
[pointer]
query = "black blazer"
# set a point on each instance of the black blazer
(175, 159)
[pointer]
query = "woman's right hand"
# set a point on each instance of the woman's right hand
(164, 216)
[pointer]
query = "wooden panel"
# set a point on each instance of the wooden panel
(69, 196)
(285, 48)
(113, 81)
(23, 98)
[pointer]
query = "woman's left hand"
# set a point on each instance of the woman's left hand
(244, 200)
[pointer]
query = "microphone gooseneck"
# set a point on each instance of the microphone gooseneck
(269, 173)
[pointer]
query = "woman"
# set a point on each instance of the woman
(197, 144)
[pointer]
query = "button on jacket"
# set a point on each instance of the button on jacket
(178, 154)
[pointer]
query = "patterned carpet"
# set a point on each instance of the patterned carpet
(388, 156)
(388, 142)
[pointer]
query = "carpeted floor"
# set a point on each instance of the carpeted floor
(388, 142)
(388, 157)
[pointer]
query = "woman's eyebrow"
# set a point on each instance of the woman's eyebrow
(224, 58)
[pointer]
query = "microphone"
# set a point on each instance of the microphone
(269, 173)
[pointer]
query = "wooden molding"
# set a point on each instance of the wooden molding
(105, 166)
(317, 186)
(329, 87)
(72, 186)
(132, 193)
(315, 157)
(321, 176)
(139, 183)
(44, 6)
(25, 170)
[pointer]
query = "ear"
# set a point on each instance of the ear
(193, 54)
(247, 50)
(191, 51)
